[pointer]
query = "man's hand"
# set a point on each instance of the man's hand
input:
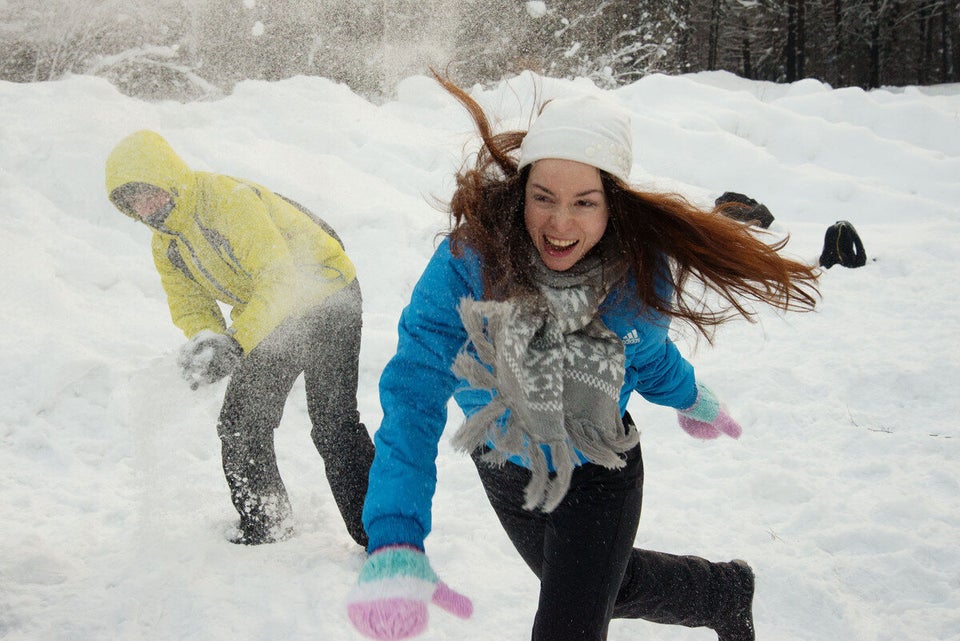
(208, 357)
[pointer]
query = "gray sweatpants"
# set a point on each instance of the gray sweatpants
(324, 345)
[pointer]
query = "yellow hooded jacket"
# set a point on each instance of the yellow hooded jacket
(229, 240)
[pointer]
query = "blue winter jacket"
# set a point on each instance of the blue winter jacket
(418, 382)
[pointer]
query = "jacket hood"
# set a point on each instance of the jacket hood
(145, 157)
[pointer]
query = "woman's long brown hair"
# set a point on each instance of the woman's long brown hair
(657, 235)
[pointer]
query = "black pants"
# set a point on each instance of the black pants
(324, 345)
(583, 554)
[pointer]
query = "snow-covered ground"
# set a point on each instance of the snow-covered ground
(843, 492)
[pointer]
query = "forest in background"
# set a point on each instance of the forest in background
(195, 49)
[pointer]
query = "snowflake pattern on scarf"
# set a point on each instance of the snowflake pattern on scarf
(556, 370)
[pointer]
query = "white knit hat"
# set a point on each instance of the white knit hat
(588, 129)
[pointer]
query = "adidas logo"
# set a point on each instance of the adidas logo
(632, 338)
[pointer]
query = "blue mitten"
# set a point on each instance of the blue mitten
(707, 418)
(390, 598)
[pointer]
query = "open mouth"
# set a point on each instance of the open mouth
(557, 246)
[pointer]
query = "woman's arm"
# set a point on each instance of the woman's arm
(415, 388)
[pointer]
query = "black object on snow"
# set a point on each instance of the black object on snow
(745, 209)
(842, 245)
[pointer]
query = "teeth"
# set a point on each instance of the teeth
(556, 242)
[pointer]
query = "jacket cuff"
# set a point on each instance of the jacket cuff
(394, 530)
(693, 398)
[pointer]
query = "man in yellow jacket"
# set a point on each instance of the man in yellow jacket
(295, 308)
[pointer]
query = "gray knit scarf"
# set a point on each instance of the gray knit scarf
(550, 361)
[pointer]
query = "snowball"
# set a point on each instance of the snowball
(536, 8)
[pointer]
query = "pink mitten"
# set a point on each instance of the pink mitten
(707, 418)
(395, 585)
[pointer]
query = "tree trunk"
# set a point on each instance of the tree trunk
(926, 54)
(946, 46)
(840, 64)
(745, 54)
(796, 59)
(873, 80)
(714, 38)
(801, 42)
(790, 52)
(683, 35)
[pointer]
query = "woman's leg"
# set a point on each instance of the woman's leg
(526, 529)
(580, 550)
(589, 539)
(690, 591)
(589, 571)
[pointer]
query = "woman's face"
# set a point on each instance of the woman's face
(565, 211)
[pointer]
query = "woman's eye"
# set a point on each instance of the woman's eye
(586, 203)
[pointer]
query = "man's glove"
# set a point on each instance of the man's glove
(707, 418)
(208, 357)
(390, 598)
